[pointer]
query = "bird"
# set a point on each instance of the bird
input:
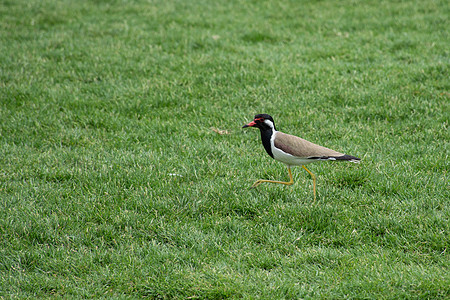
(292, 150)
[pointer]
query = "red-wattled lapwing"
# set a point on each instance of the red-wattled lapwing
(292, 150)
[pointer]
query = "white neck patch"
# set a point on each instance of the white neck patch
(269, 123)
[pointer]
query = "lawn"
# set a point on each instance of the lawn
(125, 173)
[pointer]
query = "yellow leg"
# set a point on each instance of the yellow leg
(290, 182)
(314, 181)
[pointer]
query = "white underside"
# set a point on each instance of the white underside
(287, 158)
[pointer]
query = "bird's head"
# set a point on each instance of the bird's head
(262, 121)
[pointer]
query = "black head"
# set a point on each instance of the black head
(263, 122)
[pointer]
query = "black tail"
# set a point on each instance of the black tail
(346, 157)
(349, 158)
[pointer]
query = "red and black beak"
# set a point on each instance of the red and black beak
(251, 124)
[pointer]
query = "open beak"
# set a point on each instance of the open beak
(251, 124)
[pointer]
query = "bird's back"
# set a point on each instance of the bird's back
(300, 147)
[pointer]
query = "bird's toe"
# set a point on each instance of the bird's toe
(256, 184)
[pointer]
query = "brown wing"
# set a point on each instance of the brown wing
(302, 148)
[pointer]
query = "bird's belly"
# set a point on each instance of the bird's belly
(289, 159)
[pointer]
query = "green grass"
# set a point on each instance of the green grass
(114, 183)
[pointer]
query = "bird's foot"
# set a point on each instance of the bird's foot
(256, 184)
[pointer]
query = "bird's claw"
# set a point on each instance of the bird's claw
(256, 184)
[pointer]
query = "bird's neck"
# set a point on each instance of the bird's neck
(266, 135)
